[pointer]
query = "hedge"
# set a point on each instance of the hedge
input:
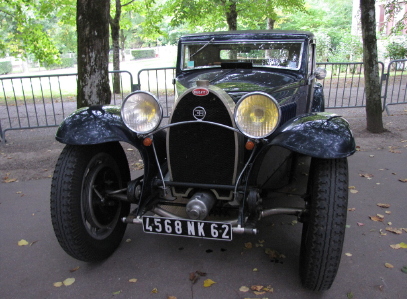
(140, 54)
(65, 63)
(5, 67)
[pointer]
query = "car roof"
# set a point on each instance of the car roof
(249, 34)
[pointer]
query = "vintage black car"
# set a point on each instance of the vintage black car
(248, 110)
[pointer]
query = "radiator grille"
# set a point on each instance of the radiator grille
(199, 152)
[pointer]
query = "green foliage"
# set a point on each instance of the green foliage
(66, 62)
(396, 51)
(331, 22)
(350, 48)
(211, 15)
(141, 54)
(28, 28)
(5, 67)
(393, 10)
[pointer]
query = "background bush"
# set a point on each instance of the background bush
(5, 67)
(140, 54)
(66, 62)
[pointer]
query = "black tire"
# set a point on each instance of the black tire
(87, 228)
(325, 223)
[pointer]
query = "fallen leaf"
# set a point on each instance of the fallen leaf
(354, 191)
(74, 269)
(259, 293)
(388, 212)
(256, 288)
(193, 277)
(366, 175)
(22, 242)
(383, 205)
(128, 240)
(395, 246)
(403, 245)
(200, 273)
(376, 218)
(244, 289)
(171, 297)
(403, 180)
(387, 265)
(348, 254)
(58, 284)
(10, 180)
(393, 230)
(208, 282)
(352, 209)
(360, 224)
(117, 293)
(154, 291)
(133, 280)
(349, 295)
(68, 281)
(255, 270)
(248, 245)
(268, 289)
(404, 269)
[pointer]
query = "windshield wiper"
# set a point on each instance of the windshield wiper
(203, 47)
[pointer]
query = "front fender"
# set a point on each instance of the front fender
(94, 125)
(101, 124)
(320, 135)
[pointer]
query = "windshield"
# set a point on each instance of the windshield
(275, 54)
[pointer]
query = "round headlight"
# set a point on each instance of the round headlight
(141, 112)
(257, 115)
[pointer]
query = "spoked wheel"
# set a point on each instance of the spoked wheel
(325, 223)
(87, 223)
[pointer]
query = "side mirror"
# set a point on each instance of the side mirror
(320, 73)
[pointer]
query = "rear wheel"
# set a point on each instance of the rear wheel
(86, 222)
(325, 223)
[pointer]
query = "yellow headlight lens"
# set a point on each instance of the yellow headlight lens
(141, 112)
(257, 115)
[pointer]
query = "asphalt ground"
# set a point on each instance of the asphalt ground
(370, 267)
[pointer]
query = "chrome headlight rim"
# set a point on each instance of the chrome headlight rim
(242, 99)
(159, 114)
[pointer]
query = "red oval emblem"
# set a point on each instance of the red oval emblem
(200, 92)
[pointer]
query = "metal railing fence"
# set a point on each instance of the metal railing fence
(395, 90)
(344, 84)
(29, 102)
(159, 81)
(43, 101)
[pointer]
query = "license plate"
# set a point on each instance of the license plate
(188, 228)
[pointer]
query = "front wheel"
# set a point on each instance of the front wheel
(325, 223)
(87, 223)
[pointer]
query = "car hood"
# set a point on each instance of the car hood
(240, 80)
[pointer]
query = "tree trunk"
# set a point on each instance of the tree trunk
(92, 23)
(371, 67)
(122, 44)
(231, 15)
(115, 34)
(270, 23)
